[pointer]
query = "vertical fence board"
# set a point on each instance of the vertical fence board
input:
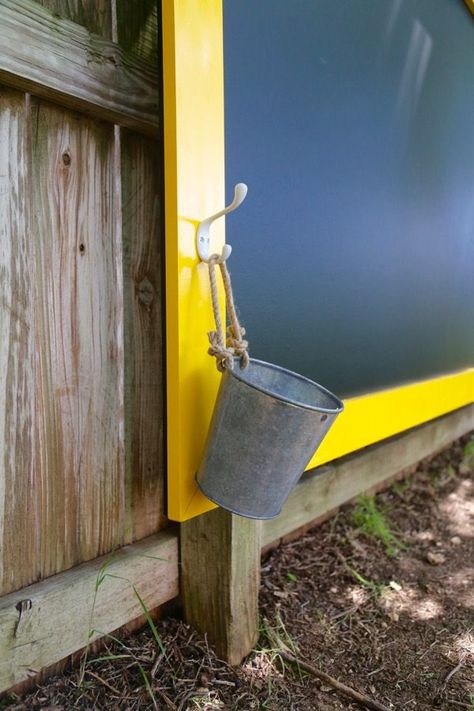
(136, 32)
(142, 238)
(79, 327)
(18, 480)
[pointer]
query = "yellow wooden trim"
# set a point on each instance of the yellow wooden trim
(194, 189)
(376, 416)
(470, 4)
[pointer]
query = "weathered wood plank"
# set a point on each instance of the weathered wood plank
(58, 613)
(94, 15)
(137, 28)
(79, 340)
(19, 488)
(143, 334)
(60, 60)
(335, 484)
(220, 578)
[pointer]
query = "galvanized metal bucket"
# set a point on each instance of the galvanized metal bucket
(267, 424)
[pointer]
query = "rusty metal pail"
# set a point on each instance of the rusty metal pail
(266, 426)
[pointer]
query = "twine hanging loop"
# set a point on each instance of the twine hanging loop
(225, 344)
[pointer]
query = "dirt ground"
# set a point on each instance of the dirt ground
(380, 597)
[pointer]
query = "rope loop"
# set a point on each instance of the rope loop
(229, 344)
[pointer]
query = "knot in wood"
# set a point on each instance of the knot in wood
(146, 292)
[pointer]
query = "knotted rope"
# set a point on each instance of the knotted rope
(229, 344)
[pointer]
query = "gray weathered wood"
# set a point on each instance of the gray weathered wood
(61, 351)
(220, 559)
(20, 482)
(60, 60)
(58, 614)
(79, 323)
(328, 487)
(143, 334)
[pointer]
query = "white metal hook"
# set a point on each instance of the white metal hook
(203, 239)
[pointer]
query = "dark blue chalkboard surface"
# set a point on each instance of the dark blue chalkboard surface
(352, 122)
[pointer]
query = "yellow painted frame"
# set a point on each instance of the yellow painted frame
(193, 94)
(194, 189)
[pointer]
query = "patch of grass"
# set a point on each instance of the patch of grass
(445, 475)
(8, 700)
(467, 463)
(372, 522)
(278, 639)
(291, 577)
(102, 576)
(399, 487)
(278, 636)
(370, 585)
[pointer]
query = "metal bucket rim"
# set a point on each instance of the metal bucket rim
(237, 373)
(232, 509)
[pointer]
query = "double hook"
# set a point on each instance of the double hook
(203, 239)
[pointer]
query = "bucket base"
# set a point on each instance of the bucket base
(245, 514)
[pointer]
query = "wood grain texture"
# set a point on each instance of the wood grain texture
(143, 333)
(19, 482)
(59, 613)
(79, 342)
(220, 579)
(61, 349)
(60, 60)
(137, 28)
(330, 486)
(94, 15)
(72, 477)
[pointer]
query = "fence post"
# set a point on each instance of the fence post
(220, 578)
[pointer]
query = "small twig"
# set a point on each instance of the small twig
(453, 672)
(346, 690)
(460, 703)
(102, 681)
(157, 663)
(165, 698)
(223, 682)
(376, 671)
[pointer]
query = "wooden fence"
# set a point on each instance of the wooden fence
(81, 379)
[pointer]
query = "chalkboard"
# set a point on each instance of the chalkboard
(352, 124)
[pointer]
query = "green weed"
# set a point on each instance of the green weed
(278, 639)
(370, 585)
(467, 463)
(102, 576)
(8, 700)
(372, 522)
(278, 636)
(399, 487)
(446, 475)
